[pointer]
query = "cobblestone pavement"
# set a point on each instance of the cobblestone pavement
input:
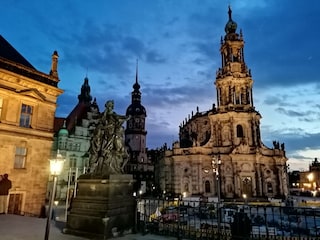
(14, 227)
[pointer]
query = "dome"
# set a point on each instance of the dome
(136, 86)
(135, 109)
(63, 132)
(231, 25)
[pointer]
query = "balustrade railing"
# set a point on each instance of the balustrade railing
(198, 220)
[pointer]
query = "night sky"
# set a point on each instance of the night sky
(177, 45)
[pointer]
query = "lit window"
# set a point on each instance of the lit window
(25, 116)
(20, 157)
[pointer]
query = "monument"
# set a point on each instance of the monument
(104, 204)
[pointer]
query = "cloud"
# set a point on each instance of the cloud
(154, 57)
(133, 45)
(290, 113)
(174, 96)
(295, 139)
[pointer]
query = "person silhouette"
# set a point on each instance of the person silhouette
(241, 226)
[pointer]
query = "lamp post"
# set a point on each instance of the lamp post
(216, 162)
(56, 166)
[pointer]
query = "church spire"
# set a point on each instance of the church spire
(85, 96)
(136, 94)
(135, 108)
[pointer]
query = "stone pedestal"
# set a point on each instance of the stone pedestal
(103, 207)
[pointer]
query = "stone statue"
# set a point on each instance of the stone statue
(108, 154)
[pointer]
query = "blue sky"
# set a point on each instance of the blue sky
(177, 43)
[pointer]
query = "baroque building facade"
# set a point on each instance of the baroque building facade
(224, 143)
(27, 108)
(72, 140)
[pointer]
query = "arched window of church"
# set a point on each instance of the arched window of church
(207, 186)
(239, 131)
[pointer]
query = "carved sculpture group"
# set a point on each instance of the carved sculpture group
(108, 154)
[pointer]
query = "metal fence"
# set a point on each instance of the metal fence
(210, 220)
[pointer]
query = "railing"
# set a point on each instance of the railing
(198, 220)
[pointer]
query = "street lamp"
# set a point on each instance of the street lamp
(56, 166)
(216, 162)
(244, 198)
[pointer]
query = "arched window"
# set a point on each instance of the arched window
(207, 186)
(239, 131)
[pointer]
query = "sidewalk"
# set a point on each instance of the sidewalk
(14, 227)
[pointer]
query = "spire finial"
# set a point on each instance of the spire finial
(230, 12)
(137, 71)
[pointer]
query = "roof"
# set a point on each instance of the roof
(9, 52)
(75, 117)
(77, 114)
(11, 60)
(58, 123)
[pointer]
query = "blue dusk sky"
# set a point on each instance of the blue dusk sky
(177, 44)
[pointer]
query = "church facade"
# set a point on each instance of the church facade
(220, 150)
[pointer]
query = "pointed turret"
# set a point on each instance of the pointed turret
(85, 96)
(54, 64)
(136, 109)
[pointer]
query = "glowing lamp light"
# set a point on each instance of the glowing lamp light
(56, 165)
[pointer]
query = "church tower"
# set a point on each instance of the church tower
(237, 121)
(226, 139)
(135, 138)
(135, 133)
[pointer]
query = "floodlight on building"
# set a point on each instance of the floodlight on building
(184, 194)
(310, 177)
